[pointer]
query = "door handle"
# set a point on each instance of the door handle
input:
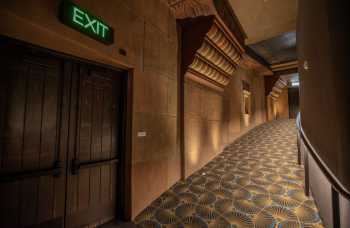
(54, 171)
(77, 165)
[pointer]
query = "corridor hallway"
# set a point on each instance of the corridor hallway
(255, 182)
(174, 113)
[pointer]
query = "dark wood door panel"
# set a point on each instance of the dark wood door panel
(30, 118)
(60, 140)
(91, 188)
(30, 115)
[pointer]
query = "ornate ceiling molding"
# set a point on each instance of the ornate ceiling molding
(212, 42)
(221, 9)
(205, 70)
(191, 8)
(284, 66)
(278, 88)
(281, 83)
(217, 56)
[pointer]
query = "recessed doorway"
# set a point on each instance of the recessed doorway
(64, 153)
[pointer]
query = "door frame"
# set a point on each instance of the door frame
(124, 208)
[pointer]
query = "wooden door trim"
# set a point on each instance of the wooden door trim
(65, 56)
(124, 192)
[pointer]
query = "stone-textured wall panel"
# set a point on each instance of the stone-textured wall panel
(137, 6)
(168, 57)
(172, 59)
(151, 55)
(282, 104)
(259, 99)
(215, 138)
(192, 99)
(157, 13)
(172, 28)
(214, 107)
(155, 172)
(129, 32)
(151, 93)
(172, 97)
(161, 140)
(233, 94)
(214, 119)
(194, 135)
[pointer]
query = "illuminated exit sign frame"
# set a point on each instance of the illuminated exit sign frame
(82, 20)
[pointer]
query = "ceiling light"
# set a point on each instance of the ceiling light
(295, 84)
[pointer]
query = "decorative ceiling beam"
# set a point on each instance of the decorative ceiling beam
(285, 66)
(212, 41)
(276, 89)
(274, 95)
(221, 9)
(210, 51)
(281, 83)
(246, 93)
(191, 8)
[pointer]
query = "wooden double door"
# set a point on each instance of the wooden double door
(60, 140)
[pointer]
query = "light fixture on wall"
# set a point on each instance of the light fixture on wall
(295, 84)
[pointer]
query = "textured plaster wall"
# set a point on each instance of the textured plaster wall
(279, 108)
(283, 105)
(214, 119)
(270, 108)
(203, 125)
(147, 31)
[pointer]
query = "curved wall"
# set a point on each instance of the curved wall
(324, 81)
(323, 49)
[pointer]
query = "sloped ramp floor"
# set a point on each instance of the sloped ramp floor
(254, 182)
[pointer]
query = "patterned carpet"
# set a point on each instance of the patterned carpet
(254, 182)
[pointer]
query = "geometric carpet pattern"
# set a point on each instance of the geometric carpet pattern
(255, 182)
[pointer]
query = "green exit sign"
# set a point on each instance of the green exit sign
(82, 20)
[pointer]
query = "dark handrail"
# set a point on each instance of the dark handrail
(76, 165)
(329, 175)
(16, 176)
